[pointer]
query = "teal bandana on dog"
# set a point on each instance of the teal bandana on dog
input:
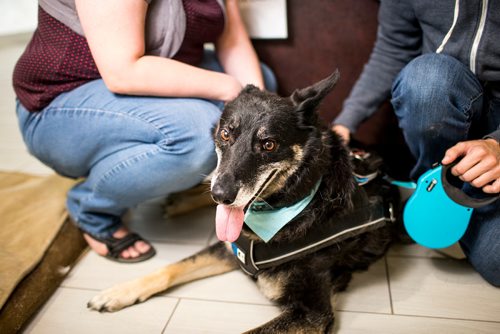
(267, 222)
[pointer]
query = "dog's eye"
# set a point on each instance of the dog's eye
(224, 135)
(269, 145)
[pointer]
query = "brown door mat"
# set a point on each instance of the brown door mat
(32, 213)
(37, 287)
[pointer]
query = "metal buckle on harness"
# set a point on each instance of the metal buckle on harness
(366, 166)
(392, 217)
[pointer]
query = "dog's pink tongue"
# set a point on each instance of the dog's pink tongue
(228, 222)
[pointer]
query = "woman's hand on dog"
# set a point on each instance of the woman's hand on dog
(234, 88)
(480, 163)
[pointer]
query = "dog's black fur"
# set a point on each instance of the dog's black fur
(305, 284)
(304, 151)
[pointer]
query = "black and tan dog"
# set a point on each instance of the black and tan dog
(275, 150)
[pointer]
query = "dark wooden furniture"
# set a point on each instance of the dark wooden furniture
(329, 34)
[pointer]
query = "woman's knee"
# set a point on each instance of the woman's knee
(201, 159)
(270, 81)
(192, 139)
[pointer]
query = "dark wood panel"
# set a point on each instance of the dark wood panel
(329, 34)
(323, 35)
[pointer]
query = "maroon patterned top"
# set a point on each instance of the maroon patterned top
(204, 23)
(57, 59)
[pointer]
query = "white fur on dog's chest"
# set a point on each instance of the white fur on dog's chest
(271, 286)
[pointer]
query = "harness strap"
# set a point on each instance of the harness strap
(370, 213)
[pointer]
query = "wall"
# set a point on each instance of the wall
(18, 16)
(267, 16)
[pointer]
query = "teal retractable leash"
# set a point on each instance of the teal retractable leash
(438, 213)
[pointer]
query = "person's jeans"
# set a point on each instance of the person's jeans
(439, 102)
(128, 149)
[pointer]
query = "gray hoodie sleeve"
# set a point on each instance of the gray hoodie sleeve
(494, 135)
(399, 40)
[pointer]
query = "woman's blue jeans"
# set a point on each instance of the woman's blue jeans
(439, 102)
(128, 149)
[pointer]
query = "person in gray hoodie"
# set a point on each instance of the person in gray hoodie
(439, 63)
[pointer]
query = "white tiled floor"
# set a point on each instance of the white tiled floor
(411, 290)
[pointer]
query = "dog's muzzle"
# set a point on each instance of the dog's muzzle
(224, 191)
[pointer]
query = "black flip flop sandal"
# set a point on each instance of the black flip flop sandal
(117, 245)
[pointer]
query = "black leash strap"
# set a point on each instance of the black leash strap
(453, 187)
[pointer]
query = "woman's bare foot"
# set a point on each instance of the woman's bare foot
(140, 247)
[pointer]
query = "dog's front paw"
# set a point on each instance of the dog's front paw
(115, 298)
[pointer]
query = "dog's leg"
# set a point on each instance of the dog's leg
(305, 299)
(213, 260)
(294, 322)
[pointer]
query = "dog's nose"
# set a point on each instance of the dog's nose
(223, 195)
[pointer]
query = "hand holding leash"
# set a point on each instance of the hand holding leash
(438, 212)
(480, 163)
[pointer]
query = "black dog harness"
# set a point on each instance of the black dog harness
(369, 213)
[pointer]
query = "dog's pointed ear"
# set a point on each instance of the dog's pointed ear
(307, 100)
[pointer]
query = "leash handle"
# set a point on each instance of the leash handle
(453, 187)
